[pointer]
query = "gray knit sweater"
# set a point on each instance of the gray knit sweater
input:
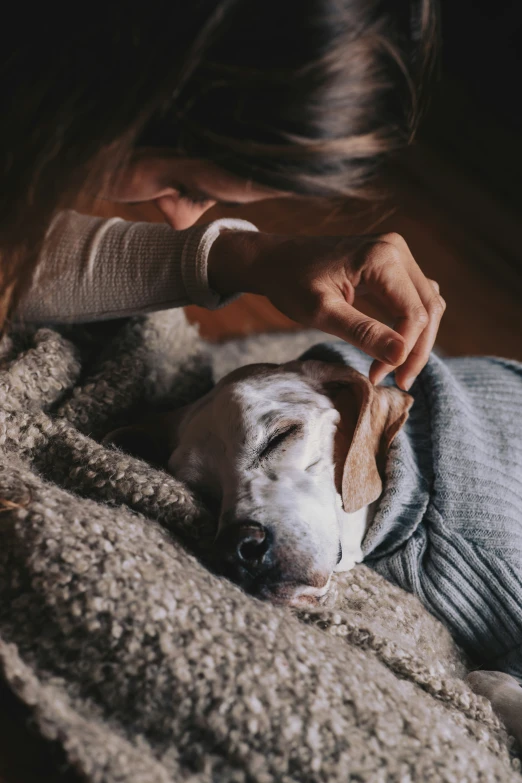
(448, 526)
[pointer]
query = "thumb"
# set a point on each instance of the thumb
(374, 338)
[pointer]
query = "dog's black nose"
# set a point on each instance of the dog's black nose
(252, 543)
(244, 543)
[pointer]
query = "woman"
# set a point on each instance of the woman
(189, 104)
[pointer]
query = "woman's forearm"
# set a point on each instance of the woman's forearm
(94, 269)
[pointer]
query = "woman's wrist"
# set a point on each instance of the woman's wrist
(233, 262)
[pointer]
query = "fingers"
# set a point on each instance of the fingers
(324, 274)
(406, 374)
(337, 317)
(418, 357)
(398, 281)
(388, 279)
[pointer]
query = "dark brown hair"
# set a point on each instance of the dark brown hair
(302, 95)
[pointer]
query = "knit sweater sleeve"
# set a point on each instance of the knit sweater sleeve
(94, 269)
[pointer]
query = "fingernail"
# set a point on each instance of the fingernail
(407, 383)
(393, 351)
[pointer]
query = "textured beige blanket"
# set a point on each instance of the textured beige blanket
(148, 668)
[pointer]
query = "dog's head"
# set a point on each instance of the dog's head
(281, 455)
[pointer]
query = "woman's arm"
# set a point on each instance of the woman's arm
(93, 269)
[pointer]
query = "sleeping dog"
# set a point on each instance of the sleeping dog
(308, 468)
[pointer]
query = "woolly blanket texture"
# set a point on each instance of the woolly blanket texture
(144, 665)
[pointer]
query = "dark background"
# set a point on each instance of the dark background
(482, 51)
(477, 108)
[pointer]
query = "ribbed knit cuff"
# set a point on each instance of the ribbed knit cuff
(194, 261)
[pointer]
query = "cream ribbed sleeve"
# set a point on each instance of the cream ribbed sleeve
(95, 269)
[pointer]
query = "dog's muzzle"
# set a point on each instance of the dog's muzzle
(247, 553)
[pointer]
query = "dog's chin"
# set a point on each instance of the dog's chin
(291, 594)
(274, 586)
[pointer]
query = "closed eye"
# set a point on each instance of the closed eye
(277, 440)
(313, 464)
(339, 554)
(192, 198)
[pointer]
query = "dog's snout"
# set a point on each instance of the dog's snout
(245, 542)
(253, 557)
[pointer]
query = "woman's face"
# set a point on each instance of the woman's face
(182, 188)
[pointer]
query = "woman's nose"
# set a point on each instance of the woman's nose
(181, 213)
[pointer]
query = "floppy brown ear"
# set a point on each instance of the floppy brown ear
(371, 416)
(152, 439)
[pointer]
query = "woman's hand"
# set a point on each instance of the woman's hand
(323, 282)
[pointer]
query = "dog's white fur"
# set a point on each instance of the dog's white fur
(291, 488)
